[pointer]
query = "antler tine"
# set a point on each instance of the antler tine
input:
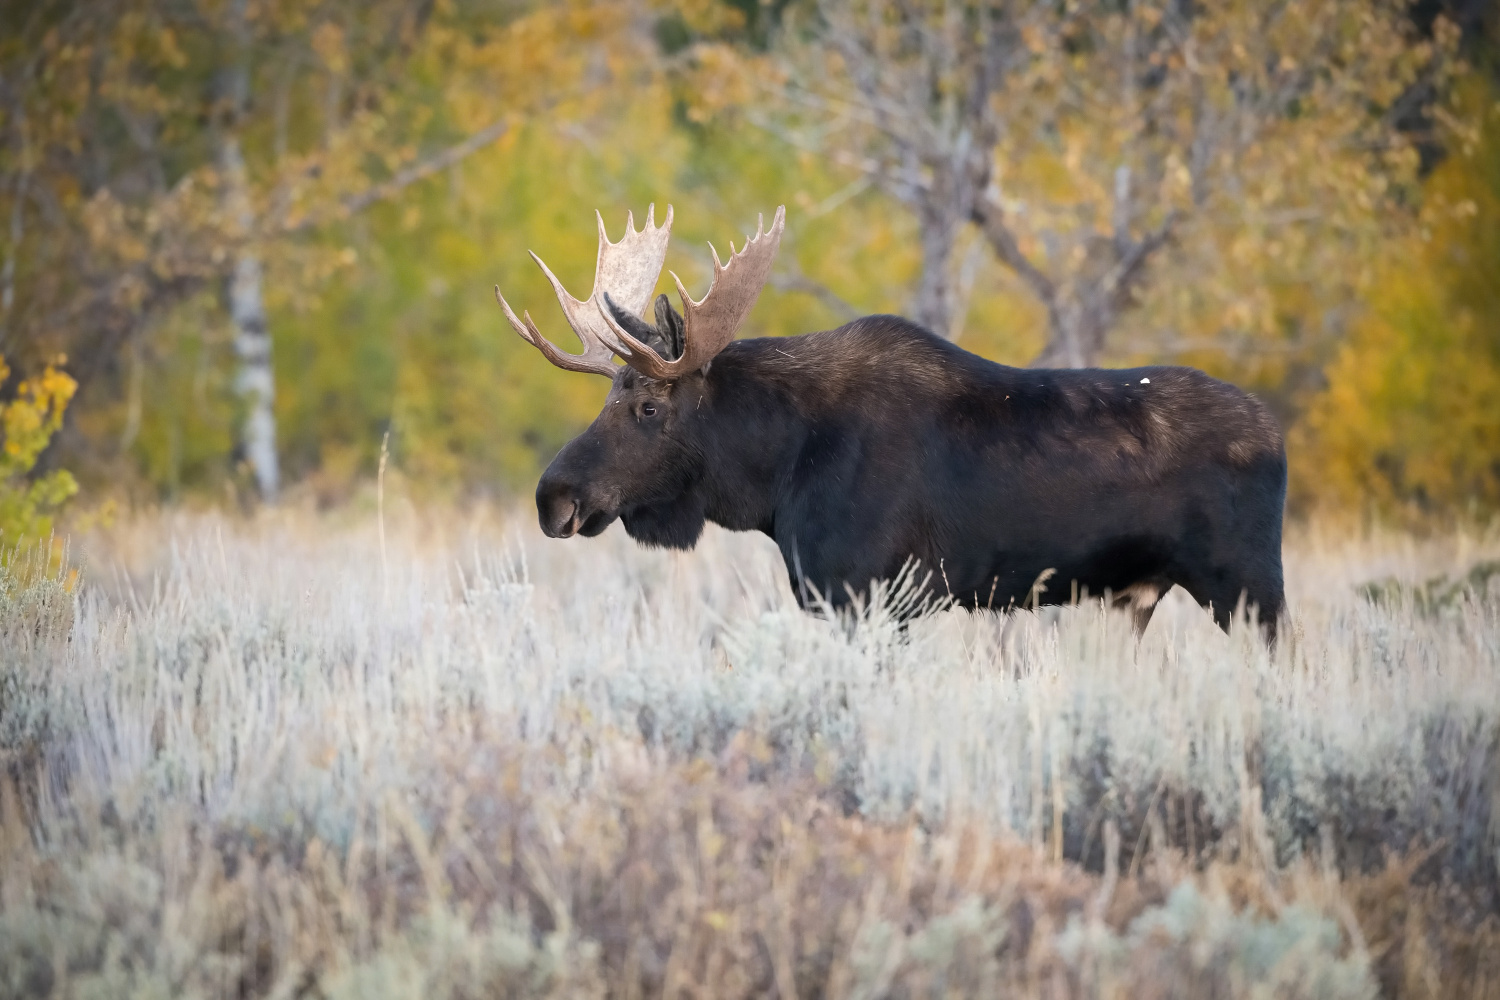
(596, 359)
(627, 270)
(711, 322)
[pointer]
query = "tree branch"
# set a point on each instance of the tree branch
(1116, 284)
(793, 280)
(990, 218)
(408, 176)
(901, 184)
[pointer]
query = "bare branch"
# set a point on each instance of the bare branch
(408, 176)
(790, 279)
(990, 218)
(1117, 283)
(899, 182)
(848, 192)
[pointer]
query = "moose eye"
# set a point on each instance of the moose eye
(648, 410)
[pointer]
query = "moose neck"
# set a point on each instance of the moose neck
(751, 433)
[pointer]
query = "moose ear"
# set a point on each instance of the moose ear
(641, 330)
(669, 324)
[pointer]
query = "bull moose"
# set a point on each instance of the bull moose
(862, 448)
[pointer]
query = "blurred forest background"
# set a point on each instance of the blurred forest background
(243, 240)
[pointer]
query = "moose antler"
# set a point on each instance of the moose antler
(626, 270)
(710, 323)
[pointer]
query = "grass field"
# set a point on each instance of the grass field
(303, 756)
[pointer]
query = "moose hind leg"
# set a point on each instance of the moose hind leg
(1141, 599)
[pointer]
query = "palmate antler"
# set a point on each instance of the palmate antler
(710, 323)
(627, 271)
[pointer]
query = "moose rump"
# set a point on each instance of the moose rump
(862, 448)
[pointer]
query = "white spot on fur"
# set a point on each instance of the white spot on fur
(1145, 381)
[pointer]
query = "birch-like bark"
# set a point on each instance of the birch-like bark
(255, 379)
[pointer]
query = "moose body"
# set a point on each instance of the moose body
(863, 448)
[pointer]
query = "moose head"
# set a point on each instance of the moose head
(642, 458)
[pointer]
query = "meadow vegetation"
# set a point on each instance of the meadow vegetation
(307, 757)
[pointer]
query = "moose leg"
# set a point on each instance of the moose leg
(1141, 599)
(1268, 598)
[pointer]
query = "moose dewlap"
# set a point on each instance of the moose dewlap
(863, 448)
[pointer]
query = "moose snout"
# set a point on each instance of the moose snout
(559, 508)
(575, 496)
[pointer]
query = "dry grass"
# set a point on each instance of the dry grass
(274, 760)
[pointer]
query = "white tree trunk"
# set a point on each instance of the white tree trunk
(255, 379)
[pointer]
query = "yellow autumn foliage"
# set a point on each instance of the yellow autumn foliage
(27, 423)
(1409, 423)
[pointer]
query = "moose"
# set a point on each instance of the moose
(862, 448)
